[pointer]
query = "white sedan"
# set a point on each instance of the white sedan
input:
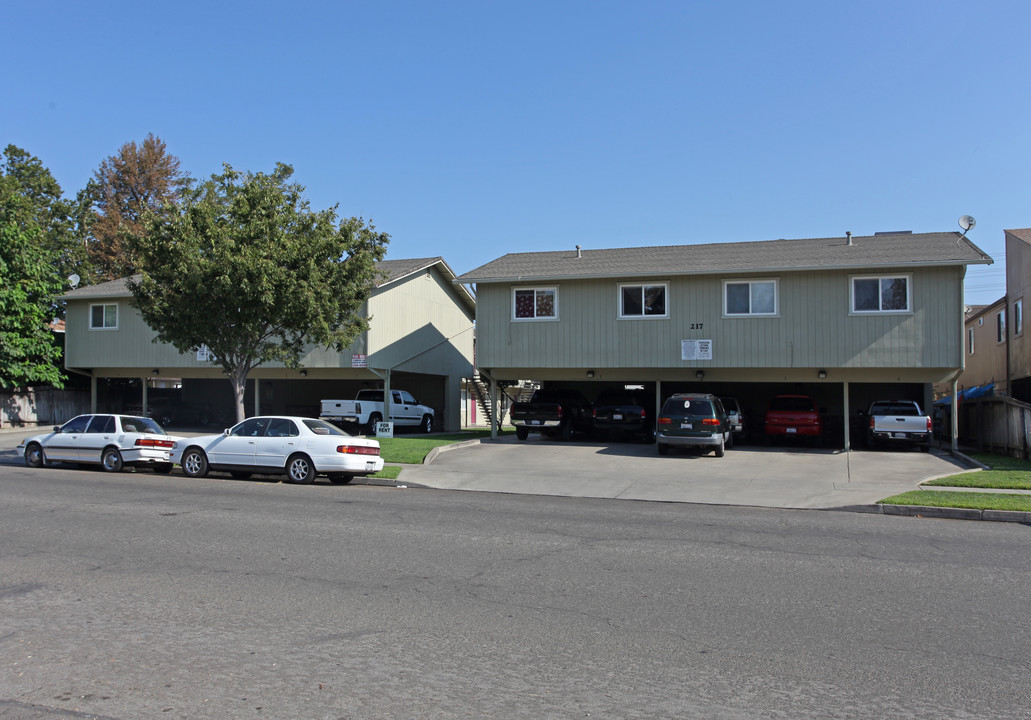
(298, 447)
(111, 441)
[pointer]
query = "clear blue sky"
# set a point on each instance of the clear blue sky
(474, 129)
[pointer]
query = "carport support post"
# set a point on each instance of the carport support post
(494, 420)
(143, 399)
(954, 424)
(257, 396)
(93, 394)
(658, 403)
(848, 445)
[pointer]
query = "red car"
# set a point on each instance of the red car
(793, 416)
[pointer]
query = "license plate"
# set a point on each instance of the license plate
(687, 426)
(791, 430)
(534, 422)
(898, 435)
(617, 416)
(370, 465)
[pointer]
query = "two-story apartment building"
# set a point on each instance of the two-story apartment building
(420, 339)
(845, 320)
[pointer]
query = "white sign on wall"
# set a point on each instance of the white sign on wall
(696, 349)
(359, 361)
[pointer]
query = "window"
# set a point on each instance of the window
(281, 427)
(102, 424)
(750, 297)
(970, 341)
(643, 301)
(880, 294)
(103, 317)
(1000, 326)
(535, 304)
(1018, 317)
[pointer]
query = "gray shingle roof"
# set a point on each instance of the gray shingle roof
(1021, 234)
(390, 271)
(745, 257)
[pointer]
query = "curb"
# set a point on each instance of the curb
(928, 511)
(432, 454)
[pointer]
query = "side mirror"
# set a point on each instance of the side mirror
(57, 428)
(226, 432)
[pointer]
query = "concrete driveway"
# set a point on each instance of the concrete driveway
(780, 477)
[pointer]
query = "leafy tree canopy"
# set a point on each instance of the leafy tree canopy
(246, 268)
(29, 284)
(139, 181)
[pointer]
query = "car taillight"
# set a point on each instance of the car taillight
(665, 421)
(357, 450)
(929, 426)
(871, 423)
(560, 411)
(151, 442)
(710, 421)
(594, 412)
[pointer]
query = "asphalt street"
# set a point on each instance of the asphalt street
(143, 596)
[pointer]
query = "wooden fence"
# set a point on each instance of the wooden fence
(41, 406)
(996, 424)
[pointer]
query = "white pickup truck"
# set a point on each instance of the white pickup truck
(367, 409)
(898, 422)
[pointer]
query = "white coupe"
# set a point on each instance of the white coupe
(298, 447)
(111, 441)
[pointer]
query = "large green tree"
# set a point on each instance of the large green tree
(37, 250)
(29, 284)
(139, 181)
(247, 269)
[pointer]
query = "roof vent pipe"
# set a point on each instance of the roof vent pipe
(848, 237)
(578, 253)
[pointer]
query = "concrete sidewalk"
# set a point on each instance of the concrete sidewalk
(748, 475)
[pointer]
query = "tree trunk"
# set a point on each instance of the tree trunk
(239, 381)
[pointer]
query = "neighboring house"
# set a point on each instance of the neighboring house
(984, 333)
(420, 339)
(1018, 287)
(846, 320)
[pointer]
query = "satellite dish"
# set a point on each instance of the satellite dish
(967, 222)
(73, 280)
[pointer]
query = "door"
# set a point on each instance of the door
(278, 443)
(101, 432)
(64, 444)
(238, 447)
(404, 411)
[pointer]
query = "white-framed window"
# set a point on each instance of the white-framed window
(644, 300)
(750, 298)
(1000, 326)
(1018, 317)
(103, 317)
(970, 341)
(881, 294)
(538, 303)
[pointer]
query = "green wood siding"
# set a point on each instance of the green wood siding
(813, 327)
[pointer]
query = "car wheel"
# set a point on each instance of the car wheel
(299, 469)
(721, 449)
(663, 449)
(240, 475)
(370, 429)
(649, 436)
(427, 424)
(340, 478)
(566, 431)
(195, 463)
(730, 440)
(522, 433)
(34, 456)
(163, 468)
(111, 460)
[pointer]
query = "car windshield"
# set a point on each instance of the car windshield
(321, 427)
(688, 406)
(791, 403)
(143, 425)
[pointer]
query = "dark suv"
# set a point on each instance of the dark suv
(620, 412)
(694, 420)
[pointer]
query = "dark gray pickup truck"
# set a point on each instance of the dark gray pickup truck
(555, 413)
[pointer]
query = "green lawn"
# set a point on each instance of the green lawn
(971, 500)
(1006, 473)
(389, 472)
(413, 449)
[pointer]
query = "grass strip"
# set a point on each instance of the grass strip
(413, 449)
(1006, 473)
(970, 500)
(389, 472)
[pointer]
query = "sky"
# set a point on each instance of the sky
(470, 130)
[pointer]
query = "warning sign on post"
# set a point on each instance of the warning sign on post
(696, 349)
